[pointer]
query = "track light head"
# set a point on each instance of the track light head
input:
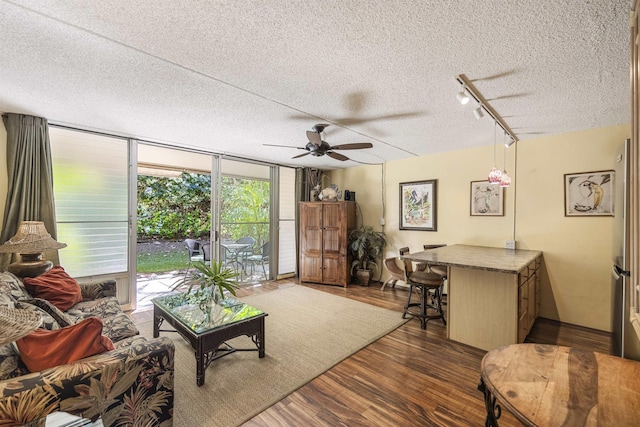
(478, 112)
(462, 96)
(509, 143)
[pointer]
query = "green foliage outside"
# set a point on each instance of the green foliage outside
(174, 208)
(180, 208)
(245, 209)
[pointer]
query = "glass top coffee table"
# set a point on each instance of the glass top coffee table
(208, 327)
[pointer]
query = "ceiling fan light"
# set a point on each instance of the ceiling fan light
(478, 113)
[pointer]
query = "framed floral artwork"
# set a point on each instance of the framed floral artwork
(589, 193)
(486, 199)
(418, 205)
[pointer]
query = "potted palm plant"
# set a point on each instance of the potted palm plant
(210, 283)
(366, 245)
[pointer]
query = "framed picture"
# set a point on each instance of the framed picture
(589, 193)
(418, 205)
(486, 199)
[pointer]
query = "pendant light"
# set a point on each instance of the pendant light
(505, 180)
(494, 174)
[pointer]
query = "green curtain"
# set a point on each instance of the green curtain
(30, 174)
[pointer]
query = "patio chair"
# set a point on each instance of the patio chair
(206, 252)
(260, 258)
(243, 254)
(195, 254)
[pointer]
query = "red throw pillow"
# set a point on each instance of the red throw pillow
(56, 286)
(43, 349)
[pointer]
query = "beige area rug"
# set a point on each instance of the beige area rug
(307, 332)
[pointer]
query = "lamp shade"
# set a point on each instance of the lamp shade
(32, 237)
(16, 323)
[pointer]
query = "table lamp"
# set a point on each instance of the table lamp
(30, 241)
(16, 323)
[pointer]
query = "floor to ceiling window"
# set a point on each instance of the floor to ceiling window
(95, 179)
(91, 190)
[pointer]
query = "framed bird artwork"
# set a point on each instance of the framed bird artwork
(418, 205)
(589, 193)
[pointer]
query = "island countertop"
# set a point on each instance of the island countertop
(501, 260)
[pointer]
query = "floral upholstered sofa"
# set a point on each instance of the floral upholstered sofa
(132, 384)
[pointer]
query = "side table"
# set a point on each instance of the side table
(548, 385)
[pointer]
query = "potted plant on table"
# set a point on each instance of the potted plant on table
(366, 245)
(210, 283)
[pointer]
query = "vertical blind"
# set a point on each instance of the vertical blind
(90, 175)
(287, 222)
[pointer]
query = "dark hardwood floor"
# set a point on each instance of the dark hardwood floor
(410, 377)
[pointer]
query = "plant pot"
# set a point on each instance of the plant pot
(363, 276)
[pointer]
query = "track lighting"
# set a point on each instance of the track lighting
(478, 112)
(462, 96)
(469, 91)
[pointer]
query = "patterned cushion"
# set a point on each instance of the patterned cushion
(48, 322)
(10, 364)
(131, 341)
(13, 286)
(117, 325)
(61, 318)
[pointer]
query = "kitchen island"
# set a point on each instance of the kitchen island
(492, 292)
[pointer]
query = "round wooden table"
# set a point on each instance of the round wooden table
(548, 385)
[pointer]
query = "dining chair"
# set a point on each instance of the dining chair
(425, 283)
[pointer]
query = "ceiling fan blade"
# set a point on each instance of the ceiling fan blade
(301, 155)
(314, 138)
(286, 146)
(337, 156)
(356, 146)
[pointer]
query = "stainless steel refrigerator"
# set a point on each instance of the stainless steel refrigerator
(625, 341)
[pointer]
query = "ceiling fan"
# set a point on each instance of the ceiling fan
(317, 147)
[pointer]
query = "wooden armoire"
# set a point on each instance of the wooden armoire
(324, 241)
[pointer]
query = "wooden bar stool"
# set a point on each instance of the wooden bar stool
(396, 272)
(438, 269)
(425, 283)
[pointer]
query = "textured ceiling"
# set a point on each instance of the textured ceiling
(229, 76)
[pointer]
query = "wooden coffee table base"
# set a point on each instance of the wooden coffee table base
(211, 345)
